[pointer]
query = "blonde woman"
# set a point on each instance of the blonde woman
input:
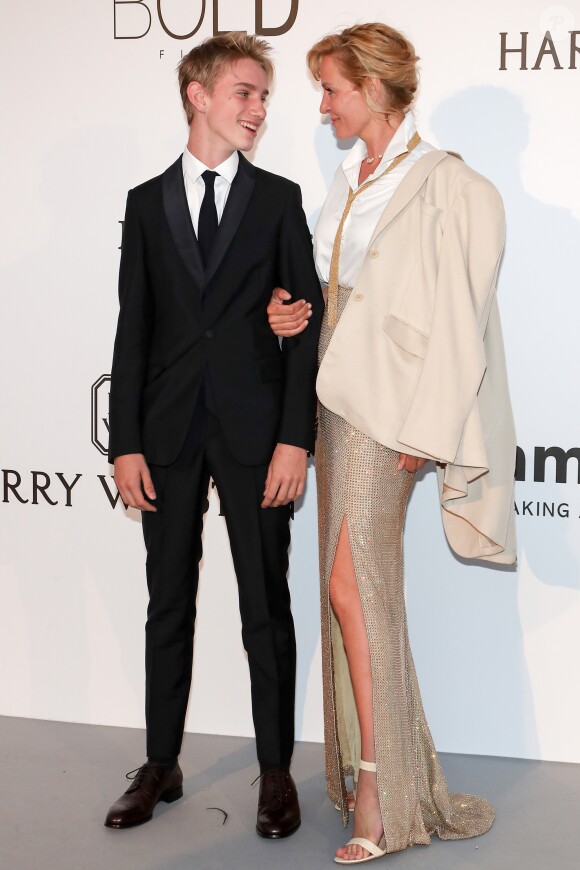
(408, 245)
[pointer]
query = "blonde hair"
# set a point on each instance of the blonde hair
(205, 62)
(368, 51)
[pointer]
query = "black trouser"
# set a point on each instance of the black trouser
(259, 541)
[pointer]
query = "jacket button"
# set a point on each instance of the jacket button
(374, 253)
(358, 297)
(209, 333)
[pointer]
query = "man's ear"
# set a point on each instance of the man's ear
(196, 95)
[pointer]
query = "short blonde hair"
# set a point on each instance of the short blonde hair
(205, 62)
(368, 51)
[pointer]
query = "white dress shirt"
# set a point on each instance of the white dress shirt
(195, 185)
(366, 209)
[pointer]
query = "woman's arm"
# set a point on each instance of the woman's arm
(287, 320)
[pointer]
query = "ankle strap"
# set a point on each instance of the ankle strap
(368, 765)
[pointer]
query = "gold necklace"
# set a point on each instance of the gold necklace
(334, 260)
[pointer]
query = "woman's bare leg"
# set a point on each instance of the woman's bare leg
(345, 601)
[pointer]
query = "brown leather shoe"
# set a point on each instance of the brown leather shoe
(278, 808)
(151, 784)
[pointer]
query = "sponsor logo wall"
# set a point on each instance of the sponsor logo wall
(496, 649)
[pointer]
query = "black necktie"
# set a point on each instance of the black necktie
(208, 221)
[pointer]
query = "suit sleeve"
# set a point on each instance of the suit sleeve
(298, 276)
(454, 364)
(132, 341)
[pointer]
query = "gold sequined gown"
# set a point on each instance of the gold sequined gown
(357, 478)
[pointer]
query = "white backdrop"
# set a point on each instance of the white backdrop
(87, 116)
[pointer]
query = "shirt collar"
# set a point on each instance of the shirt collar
(194, 168)
(397, 145)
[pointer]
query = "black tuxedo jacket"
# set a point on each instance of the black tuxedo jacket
(180, 324)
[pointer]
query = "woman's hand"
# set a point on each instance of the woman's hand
(287, 320)
(410, 463)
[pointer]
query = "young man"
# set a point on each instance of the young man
(201, 389)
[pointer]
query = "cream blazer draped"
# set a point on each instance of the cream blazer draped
(417, 362)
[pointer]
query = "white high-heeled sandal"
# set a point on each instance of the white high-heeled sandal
(376, 850)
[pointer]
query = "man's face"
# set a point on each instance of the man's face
(235, 108)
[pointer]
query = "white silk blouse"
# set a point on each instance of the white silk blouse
(366, 209)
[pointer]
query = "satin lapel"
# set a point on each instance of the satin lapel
(409, 186)
(179, 220)
(236, 205)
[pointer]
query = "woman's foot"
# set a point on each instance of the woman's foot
(367, 817)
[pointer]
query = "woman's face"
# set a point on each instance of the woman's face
(342, 101)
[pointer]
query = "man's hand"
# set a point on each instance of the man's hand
(286, 476)
(410, 463)
(287, 320)
(132, 478)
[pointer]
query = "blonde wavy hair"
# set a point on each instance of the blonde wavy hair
(368, 51)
